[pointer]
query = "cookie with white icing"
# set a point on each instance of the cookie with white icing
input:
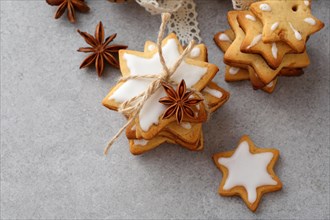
(240, 72)
(197, 74)
(265, 73)
(290, 21)
(188, 132)
(273, 53)
(224, 39)
(248, 171)
(215, 96)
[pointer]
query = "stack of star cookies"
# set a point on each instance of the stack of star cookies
(267, 41)
(176, 111)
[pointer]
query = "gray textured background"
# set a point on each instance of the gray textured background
(54, 129)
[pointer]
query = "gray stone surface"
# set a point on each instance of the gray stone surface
(54, 129)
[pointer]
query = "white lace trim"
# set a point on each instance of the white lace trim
(184, 17)
(242, 4)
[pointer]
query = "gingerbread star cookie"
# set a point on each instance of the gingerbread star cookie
(234, 73)
(234, 56)
(188, 135)
(182, 131)
(197, 74)
(290, 21)
(248, 172)
(273, 53)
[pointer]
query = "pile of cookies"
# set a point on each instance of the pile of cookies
(267, 41)
(176, 111)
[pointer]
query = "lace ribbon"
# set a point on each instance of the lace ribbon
(184, 16)
(183, 20)
(242, 4)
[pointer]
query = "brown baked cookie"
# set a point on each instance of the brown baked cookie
(290, 21)
(273, 53)
(149, 123)
(224, 39)
(248, 172)
(234, 57)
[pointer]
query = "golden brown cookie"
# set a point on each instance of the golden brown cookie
(224, 39)
(197, 74)
(233, 74)
(290, 21)
(248, 172)
(215, 97)
(273, 53)
(234, 57)
(138, 147)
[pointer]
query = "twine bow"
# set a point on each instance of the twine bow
(134, 105)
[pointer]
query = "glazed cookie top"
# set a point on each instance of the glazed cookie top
(273, 53)
(196, 73)
(290, 21)
(248, 171)
(234, 56)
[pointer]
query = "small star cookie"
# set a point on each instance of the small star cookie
(290, 21)
(248, 172)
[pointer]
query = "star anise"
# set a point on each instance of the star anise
(71, 6)
(100, 49)
(179, 101)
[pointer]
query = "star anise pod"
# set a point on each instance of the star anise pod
(100, 49)
(70, 6)
(179, 101)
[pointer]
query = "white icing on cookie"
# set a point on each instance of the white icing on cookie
(151, 47)
(213, 92)
(185, 125)
(141, 142)
(224, 37)
(274, 26)
(270, 85)
(255, 40)
(274, 50)
(195, 52)
(310, 21)
(233, 70)
(152, 109)
(306, 2)
(250, 17)
(296, 33)
(265, 7)
(247, 170)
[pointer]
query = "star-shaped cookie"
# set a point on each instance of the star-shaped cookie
(197, 74)
(248, 172)
(234, 73)
(290, 21)
(234, 57)
(188, 135)
(273, 52)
